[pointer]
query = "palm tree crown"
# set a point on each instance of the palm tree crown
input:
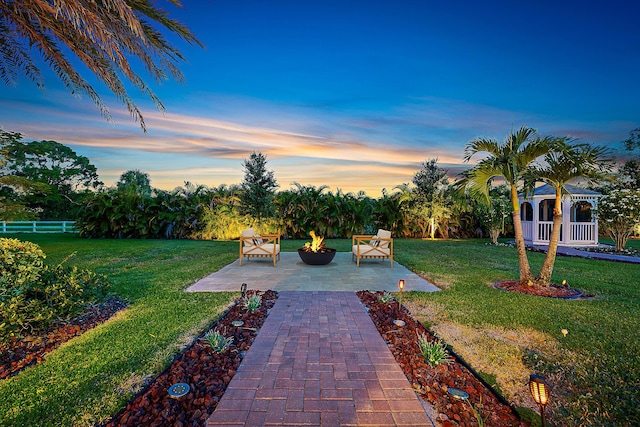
(105, 35)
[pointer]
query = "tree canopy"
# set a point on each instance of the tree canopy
(259, 186)
(45, 176)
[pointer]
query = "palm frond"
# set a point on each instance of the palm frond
(104, 35)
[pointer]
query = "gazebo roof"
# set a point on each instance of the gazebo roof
(574, 190)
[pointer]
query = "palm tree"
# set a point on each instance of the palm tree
(508, 160)
(104, 35)
(563, 163)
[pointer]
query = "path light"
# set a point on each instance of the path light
(178, 390)
(458, 394)
(401, 284)
(243, 289)
(540, 392)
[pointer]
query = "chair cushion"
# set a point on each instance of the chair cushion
(368, 251)
(384, 234)
(266, 249)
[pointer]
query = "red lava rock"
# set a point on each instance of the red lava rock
(435, 381)
(552, 291)
(208, 374)
(21, 353)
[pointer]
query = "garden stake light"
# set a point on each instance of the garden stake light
(540, 392)
(243, 289)
(401, 284)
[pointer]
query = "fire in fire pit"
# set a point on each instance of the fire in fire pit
(315, 252)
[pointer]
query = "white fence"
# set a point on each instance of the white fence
(38, 227)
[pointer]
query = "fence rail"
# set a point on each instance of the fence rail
(38, 227)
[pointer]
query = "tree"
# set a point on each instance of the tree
(55, 173)
(633, 142)
(493, 215)
(618, 213)
(108, 37)
(563, 163)
(508, 160)
(430, 179)
(134, 181)
(629, 173)
(15, 189)
(258, 187)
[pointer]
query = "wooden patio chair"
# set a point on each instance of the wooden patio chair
(259, 245)
(367, 246)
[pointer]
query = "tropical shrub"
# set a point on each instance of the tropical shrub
(32, 294)
(618, 213)
(223, 221)
(132, 215)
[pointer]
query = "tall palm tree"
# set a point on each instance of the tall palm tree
(104, 35)
(563, 163)
(508, 160)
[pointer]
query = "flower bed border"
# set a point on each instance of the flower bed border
(59, 333)
(173, 412)
(451, 412)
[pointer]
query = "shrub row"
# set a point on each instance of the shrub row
(32, 294)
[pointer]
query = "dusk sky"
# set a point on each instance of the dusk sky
(355, 94)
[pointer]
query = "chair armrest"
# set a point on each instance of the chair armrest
(271, 238)
(360, 237)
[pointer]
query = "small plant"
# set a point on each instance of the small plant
(433, 352)
(252, 302)
(218, 342)
(385, 298)
(477, 413)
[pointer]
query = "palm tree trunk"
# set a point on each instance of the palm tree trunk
(544, 278)
(525, 270)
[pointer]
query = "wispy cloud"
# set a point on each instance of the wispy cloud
(352, 150)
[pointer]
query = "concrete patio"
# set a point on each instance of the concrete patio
(291, 274)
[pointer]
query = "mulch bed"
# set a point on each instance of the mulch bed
(26, 351)
(433, 382)
(208, 374)
(551, 291)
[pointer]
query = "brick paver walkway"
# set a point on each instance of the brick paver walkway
(319, 360)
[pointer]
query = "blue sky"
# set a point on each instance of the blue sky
(356, 94)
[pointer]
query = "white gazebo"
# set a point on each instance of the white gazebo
(579, 225)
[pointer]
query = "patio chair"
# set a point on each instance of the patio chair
(378, 246)
(259, 245)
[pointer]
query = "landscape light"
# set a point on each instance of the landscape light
(401, 284)
(243, 289)
(540, 392)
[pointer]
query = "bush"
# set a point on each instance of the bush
(32, 295)
(20, 262)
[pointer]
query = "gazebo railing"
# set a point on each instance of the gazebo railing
(580, 233)
(583, 232)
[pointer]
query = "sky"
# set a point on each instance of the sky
(355, 94)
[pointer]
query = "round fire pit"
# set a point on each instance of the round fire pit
(317, 258)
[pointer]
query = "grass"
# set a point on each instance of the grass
(93, 376)
(596, 366)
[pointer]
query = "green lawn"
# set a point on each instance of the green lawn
(93, 376)
(596, 366)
